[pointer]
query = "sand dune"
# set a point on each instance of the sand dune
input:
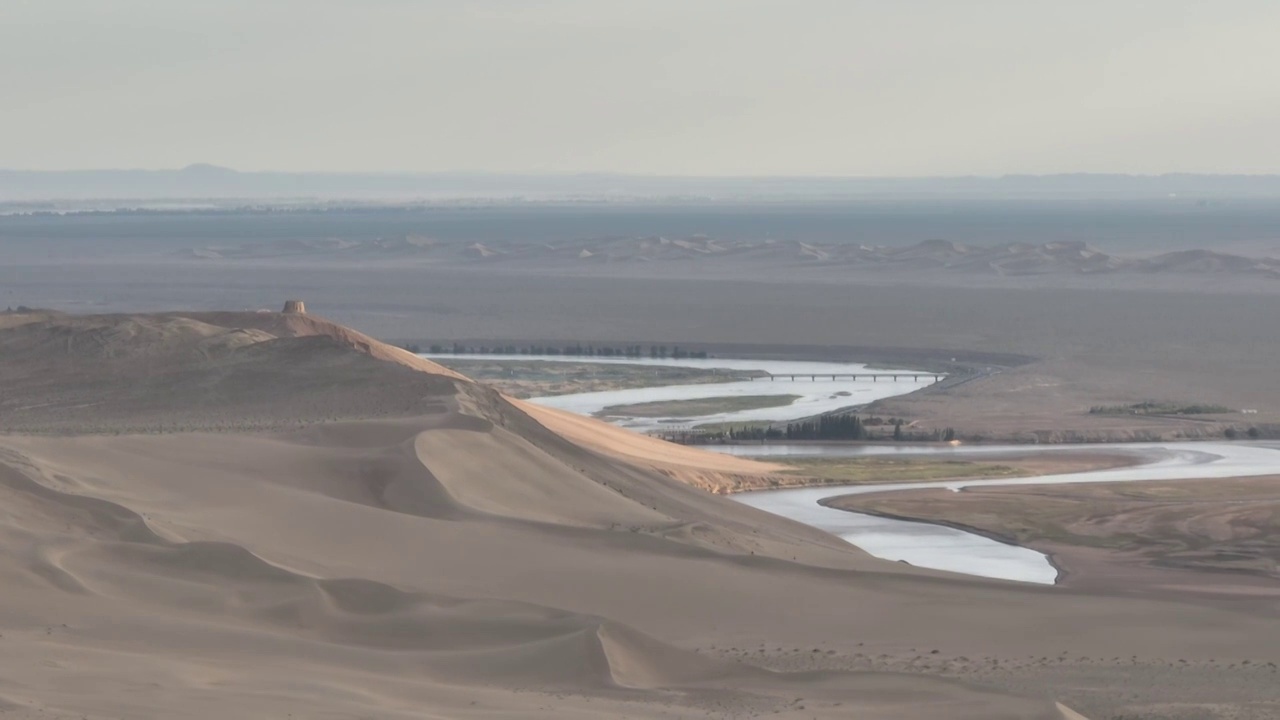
(291, 325)
(182, 589)
(442, 551)
(223, 371)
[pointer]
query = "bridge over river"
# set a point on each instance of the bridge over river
(874, 377)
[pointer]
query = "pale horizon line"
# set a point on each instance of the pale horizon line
(213, 167)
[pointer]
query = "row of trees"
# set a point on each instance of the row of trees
(826, 427)
(575, 350)
(830, 427)
(1252, 433)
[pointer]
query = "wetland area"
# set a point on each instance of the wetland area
(914, 524)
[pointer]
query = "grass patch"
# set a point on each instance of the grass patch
(698, 407)
(1155, 408)
(725, 427)
(537, 378)
(868, 470)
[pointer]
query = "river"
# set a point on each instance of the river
(918, 543)
(816, 396)
(944, 548)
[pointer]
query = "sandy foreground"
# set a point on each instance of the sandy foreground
(462, 555)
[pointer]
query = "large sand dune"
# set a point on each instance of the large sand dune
(391, 540)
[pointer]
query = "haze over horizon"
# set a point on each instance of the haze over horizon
(200, 167)
(108, 188)
(716, 88)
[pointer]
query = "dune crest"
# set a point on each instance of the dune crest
(294, 324)
(700, 468)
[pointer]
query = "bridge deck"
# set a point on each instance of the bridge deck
(874, 377)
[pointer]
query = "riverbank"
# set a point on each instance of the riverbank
(524, 379)
(697, 407)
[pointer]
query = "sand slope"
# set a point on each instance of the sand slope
(101, 536)
(459, 557)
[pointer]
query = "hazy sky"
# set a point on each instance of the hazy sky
(693, 87)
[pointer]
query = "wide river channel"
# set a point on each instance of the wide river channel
(918, 543)
(813, 384)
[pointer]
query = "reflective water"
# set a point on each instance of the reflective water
(922, 544)
(816, 395)
(944, 548)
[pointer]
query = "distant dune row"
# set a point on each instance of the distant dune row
(1014, 259)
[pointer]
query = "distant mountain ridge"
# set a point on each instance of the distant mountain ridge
(1009, 259)
(206, 181)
